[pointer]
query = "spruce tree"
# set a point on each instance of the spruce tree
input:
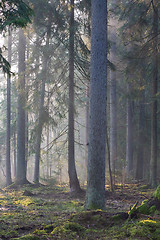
(95, 198)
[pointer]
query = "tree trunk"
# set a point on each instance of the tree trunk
(87, 124)
(39, 126)
(8, 161)
(140, 154)
(129, 137)
(73, 179)
(109, 165)
(26, 115)
(48, 139)
(153, 162)
(21, 164)
(95, 198)
(14, 148)
(113, 103)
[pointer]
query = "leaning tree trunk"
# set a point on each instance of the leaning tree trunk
(95, 198)
(129, 137)
(153, 161)
(21, 164)
(73, 179)
(8, 161)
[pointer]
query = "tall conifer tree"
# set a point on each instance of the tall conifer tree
(113, 95)
(8, 160)
(73, 179)
(41, 107)
(21, 164)
(95, 197)
(153, 162)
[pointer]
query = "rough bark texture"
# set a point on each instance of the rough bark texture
(73, 179)
(95, 197)
(21, 165)
(153, 162)
(8, 162)
(129, 137)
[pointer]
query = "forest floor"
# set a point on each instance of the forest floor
(48, 212)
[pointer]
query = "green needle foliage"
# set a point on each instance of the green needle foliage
(14, 13)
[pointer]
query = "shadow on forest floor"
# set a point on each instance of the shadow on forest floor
(51, 212)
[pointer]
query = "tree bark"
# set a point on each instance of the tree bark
(87, 125)
(140, 154)
(113, 103)
(21, 164)
(113, 94)
(14, 147)
(73, 179)
(48, 139)
(40, 124)
(26, 115)
(8, 148)
(129, 137)
(153, 161)
(95, 198)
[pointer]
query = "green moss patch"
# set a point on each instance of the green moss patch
(143, 208)
(157, 193)
(28, 237)
(50, 212)
(75, 227)
(147, 207)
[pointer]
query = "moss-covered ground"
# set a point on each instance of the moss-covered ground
(51, 212)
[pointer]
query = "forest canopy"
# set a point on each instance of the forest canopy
(13, 13)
